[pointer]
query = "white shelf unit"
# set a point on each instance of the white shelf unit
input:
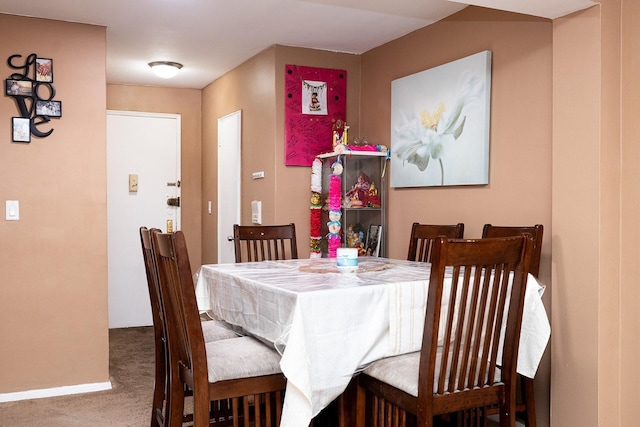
(373, 164)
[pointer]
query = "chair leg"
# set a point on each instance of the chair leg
(157, 404)
(174, 405)
(360, 406)
(528, 396)
(508, 406)
(158, 401)
(200, 409)
(159, 391)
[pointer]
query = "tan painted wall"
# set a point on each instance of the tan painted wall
(578, 220)
(249, 88)
(595, 317)
(520, 152)
(53, 292)
(257, 88)
(187, 103)
(630, 250)
(567, 128)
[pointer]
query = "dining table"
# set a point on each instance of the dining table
(328, 325)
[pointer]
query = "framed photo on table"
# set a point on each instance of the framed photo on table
(374, 236)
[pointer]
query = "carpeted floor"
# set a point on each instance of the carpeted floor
(127, 404)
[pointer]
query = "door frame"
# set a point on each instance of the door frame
(229, 195)
(135, 300)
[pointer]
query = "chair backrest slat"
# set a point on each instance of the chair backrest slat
(264, 242)
(535, 231)
(423, 235)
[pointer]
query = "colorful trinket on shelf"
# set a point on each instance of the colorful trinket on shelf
(340, 134)
(335, 208)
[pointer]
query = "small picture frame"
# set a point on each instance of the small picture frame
(19, 87)
(44, 70)
(374, 236)
(21, 129)
(49, 108)
(314, 97)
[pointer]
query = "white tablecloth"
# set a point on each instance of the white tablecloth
(327, 324)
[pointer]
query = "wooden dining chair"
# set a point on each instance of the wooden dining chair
(242, 370)
(423, 235)
(265, 242)
(526, 406)
(212, 330)
(535, 231)
(476, 287)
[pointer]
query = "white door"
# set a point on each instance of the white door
(142, 147)
(229, 185)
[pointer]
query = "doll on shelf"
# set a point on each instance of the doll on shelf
(340, 130)
(355, 238)
(373, 201)
(364, 193)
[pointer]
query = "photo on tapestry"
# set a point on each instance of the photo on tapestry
(440, 121)
(314, 97)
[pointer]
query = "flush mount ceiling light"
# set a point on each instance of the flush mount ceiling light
(165, 69)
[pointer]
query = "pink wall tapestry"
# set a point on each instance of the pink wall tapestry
(314, 99)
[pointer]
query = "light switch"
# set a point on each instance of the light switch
(133, 182)
(12, 210)
(256, 212)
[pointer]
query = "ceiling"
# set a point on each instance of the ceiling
(211, 37)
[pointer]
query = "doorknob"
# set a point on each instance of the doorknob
(230, 238)
(173, 201)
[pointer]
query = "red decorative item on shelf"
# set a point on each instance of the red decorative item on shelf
(316, 209)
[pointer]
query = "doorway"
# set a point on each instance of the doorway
(229, 182)
(143, 173)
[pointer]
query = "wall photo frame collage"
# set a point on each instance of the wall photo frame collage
(31, 86)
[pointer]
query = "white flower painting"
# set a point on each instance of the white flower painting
(440, 124)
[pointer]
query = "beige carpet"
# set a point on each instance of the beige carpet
(127, 404)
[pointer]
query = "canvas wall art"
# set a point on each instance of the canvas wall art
(440, 121)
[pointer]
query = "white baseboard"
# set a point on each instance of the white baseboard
(56, 391)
